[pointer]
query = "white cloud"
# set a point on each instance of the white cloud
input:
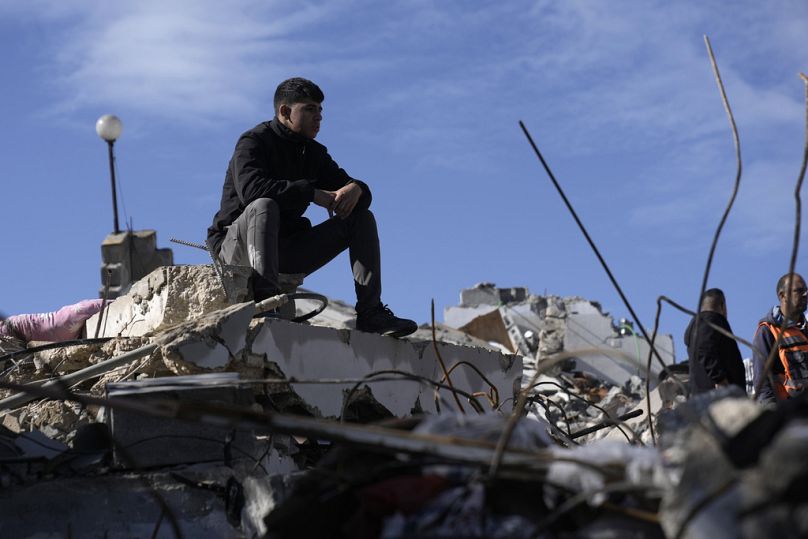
(598, 76)
(609, 64)
(192, 60)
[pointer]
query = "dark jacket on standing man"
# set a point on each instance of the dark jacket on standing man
(716, 357)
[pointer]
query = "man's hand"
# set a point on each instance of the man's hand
(324, 199)
(345, 199)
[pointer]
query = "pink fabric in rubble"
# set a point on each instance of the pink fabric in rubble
(62, 325)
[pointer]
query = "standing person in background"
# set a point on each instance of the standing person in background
(788, 375)
(715, 361)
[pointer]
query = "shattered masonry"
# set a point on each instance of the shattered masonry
(268, 428)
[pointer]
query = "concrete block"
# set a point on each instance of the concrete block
(489, 294)
(457, 317)
(230, 339)
(128, 256)
(587, 329)
(156, 441)
(115, 274)
(306, 352)
(166, 297)
(210, 342)
(118, 247)
(164, 257)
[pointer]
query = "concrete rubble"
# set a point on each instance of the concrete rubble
(127, 257)
(539, 326)
(196, 419)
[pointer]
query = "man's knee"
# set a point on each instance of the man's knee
(362, 218)
(264, 209)
(263, 205)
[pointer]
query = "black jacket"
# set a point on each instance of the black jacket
(716, 357)
(270, 161)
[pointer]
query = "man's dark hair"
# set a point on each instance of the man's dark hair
(713, 299)
(295, 90)
(781, 282)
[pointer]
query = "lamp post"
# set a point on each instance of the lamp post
(109, 128)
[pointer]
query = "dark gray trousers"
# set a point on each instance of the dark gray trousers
(253, 240)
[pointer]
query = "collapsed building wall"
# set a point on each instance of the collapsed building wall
(206, 349)
(539, 326)
(227, 339)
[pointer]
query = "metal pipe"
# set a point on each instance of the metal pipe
(117, 228)
(603, 424)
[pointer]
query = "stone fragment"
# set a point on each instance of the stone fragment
(208, 343)
(11, 422)
(166, 297)
(56, 419)
(66, 360)
(489, 294)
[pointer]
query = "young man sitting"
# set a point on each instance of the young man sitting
(276, 171)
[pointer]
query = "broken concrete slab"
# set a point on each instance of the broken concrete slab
(209, 342)
(144, 442)
(340, 315)
(448, 335)
(489, 294)
(588, 327)
(308, 352)
(166, 297)
(566, 324)
(490, 328)
(222, 340)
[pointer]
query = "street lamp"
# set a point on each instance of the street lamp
(109, 128)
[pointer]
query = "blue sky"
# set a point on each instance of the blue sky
(422, 102)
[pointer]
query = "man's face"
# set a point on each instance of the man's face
(302, 118)
(796, 294)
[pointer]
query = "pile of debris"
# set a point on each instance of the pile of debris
(197, 419)
(599, 367)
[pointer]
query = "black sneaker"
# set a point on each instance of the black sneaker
(382, 320)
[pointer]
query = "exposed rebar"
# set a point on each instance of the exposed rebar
(71, 379)
(793, 261)
(591, 242)
(739, 167)
(440, 360)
